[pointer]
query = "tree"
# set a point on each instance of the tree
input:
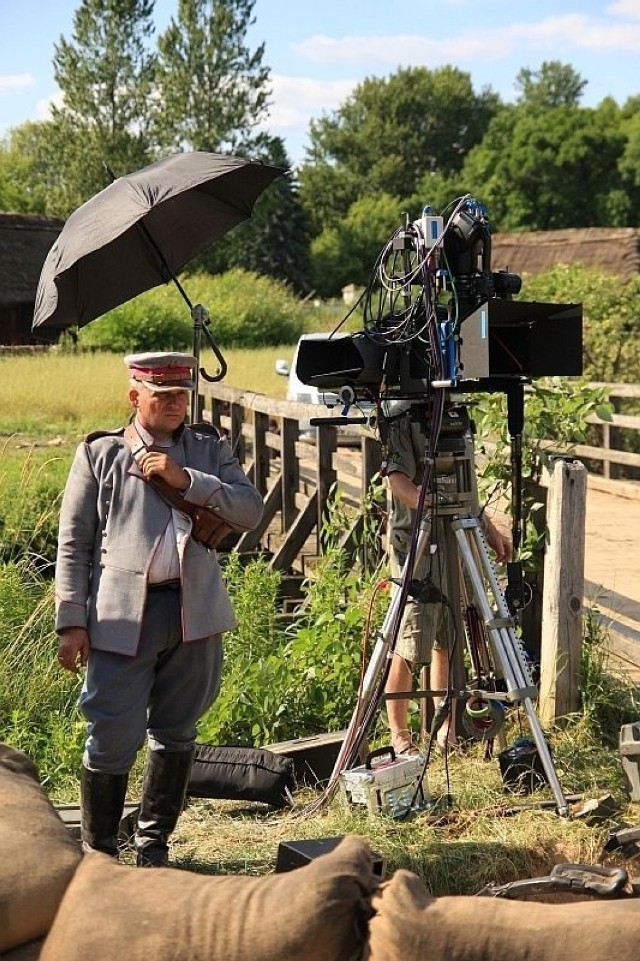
(547, 169)
(212, 91)
(629, 164)
(388, 135)
(275, 242)
(347, 253)
(555, 84)
(105, 74)
(24, 184)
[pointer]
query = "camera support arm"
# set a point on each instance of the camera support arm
(515, 424)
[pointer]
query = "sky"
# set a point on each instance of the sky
(319, 50)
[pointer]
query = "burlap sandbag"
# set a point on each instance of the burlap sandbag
(37, 854)
(25, 952)
(316, 912)
(411, 925)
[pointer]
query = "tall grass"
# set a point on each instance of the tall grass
(65, 395)
(38, 712)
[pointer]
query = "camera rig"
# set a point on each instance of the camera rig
(436, 315)
(437, 320)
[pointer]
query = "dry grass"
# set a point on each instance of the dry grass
(485, 836)
(43, 396)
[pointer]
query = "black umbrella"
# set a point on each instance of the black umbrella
(140, 231)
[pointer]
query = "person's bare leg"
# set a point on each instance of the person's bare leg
(440, 682)
(399, 679)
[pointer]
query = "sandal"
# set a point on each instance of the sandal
(402, 743)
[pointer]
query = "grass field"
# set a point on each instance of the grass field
(44, 396)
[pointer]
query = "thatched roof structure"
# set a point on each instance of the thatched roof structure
(615, 250)
(25, 241)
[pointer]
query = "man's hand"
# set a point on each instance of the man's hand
(73, 649)
(154, 463)
(497, 541)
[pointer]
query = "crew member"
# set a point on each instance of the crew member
(426, 628)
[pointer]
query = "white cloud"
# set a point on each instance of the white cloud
(626, 8)
(297, 99)
(565, 32)
(17, 81)
(43, 107)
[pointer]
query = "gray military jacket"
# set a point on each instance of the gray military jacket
(111, 522)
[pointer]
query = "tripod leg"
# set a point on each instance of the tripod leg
(506, 648)
(371, 692)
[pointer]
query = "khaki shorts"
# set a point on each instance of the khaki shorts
(424, 626)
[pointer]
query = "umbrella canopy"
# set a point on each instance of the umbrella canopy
(141, 230)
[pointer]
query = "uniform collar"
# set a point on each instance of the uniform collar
(149, 440)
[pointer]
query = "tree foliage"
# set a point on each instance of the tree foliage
(543, 170)
(347, 252)
(387, 134)
(275, 242)
(212, 91)
(553, 85)
(105, 74)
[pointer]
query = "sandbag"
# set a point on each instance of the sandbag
(318, 912)
(38, 856)
(411, 925)
(25, 952)
(241, 774)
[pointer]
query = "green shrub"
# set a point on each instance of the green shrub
(280, 684)
(154, 321)
(38, 698)
(30, 491)
(246, 310)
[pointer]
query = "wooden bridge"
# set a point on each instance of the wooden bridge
(296, 477)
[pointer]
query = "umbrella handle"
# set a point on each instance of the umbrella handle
(201, 322)
(213, 378)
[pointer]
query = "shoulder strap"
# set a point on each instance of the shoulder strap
(168, 493)
(203, 427)
(97, 434)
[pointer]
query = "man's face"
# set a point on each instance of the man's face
(161, 412)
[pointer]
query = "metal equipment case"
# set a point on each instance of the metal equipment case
(389, 787)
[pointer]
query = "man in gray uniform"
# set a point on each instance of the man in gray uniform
(425, 631)
(141, 602)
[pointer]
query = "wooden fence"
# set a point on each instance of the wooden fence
(613, 463)
(295, 477)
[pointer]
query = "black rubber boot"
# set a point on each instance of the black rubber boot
(165, 787)
(102, 801)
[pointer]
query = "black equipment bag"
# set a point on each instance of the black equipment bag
(241, 774)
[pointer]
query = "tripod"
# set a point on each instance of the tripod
(468, 561)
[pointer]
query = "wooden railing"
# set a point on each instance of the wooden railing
(295, 477)
(610, 467)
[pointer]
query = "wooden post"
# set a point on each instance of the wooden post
(563, 592)
(290, 470)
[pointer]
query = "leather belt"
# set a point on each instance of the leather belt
(173, 585)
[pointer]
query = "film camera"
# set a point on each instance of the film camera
(436, 315)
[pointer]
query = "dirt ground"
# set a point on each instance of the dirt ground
(612, 570)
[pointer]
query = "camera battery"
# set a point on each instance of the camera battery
(389, 787)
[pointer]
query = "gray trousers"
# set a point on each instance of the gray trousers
(162, 692)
